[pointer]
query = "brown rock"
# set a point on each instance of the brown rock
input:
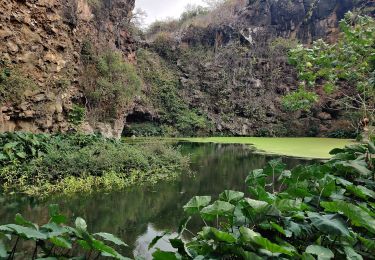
(12, 47)
(324, 116)
(5, 33)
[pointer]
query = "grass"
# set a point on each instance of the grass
(318, 148)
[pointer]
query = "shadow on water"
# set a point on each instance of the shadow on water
(139, 214)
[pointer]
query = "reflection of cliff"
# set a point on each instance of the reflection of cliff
(129, 214)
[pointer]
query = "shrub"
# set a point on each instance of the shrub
(143, 129)
(77, 115)
(110, 84)
(336, 68)
(56, 239)
(21, 147)
(13, 84)
(91, 158)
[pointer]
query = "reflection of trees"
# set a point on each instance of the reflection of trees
(128, 213)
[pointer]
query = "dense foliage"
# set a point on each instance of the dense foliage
(176, 118)
(346, 68)
(56, 240)
(44, 164)
(110, 83)
(321, 211)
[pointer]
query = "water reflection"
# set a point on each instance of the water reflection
(139, 214)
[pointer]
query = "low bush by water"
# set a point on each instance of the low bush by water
(44, 164)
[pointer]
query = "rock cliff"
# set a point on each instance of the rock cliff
(306, 20)
(42, 41)
(236, 73)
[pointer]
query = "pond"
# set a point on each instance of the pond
(140, 214)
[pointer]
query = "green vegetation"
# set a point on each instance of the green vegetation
(323, 211)
(110, 84)
(13, 84)
(44, 164)
(173, 110)
(56, 240)
(214, 12)
(77, 115)
(346, 68)
(298, 147)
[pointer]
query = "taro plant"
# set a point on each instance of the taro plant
(321, 211)
(56, 240)
(21, 147)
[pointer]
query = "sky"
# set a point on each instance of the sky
(161, 9)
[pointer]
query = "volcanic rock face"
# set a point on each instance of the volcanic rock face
(306, 20)
(239, 85)
(43, 40)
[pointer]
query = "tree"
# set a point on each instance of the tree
(346, 68)
(138, 17)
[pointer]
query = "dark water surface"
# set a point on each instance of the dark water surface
(140, 214)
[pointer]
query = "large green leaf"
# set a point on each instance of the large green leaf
(361, 191)
(3, 251)
(218, 208)
(27, 232)
(56, 217)
(258, 205)
(358, 166)
(272, 247)
(280, 229)
(323, 253)
(20, 220)
(55, 230)
(217, 235)
(111, 238)
(196, 204)
(231, 196)
(357, 216)
(351, 254)
(329, 224)
(80, 224)
(61, 242)
(249, 236)
(287, 205)
(160, 255)
(368, 244)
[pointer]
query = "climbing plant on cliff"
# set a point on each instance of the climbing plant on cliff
(110, 84)
(346, 69)
(163, 85)
(13, 84)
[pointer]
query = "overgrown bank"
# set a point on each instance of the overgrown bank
(44, 164)
(321, 211)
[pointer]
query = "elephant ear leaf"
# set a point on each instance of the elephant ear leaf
(197, 203)
(322, 253)
(351, 254)
(355, 214)
(218, 208)
(231, 196)
(331, 224)
(81, 224)
(111, 238)
(20, 220)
